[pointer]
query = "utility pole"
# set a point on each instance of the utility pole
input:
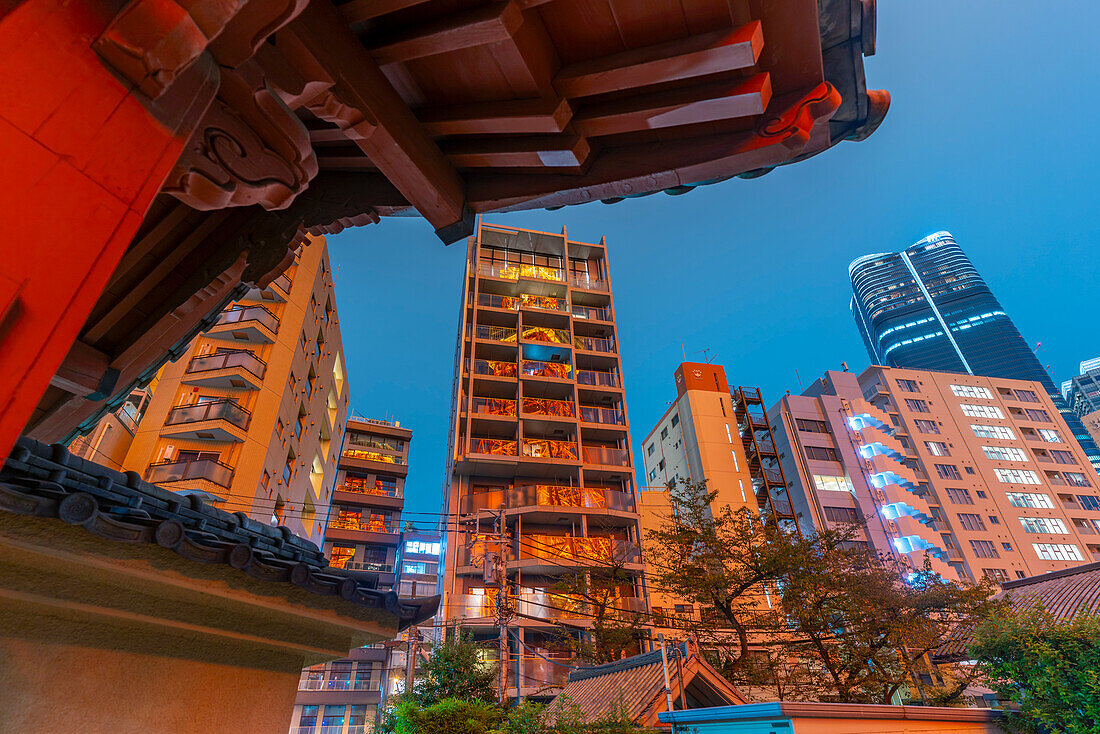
(680, 676)
(664, 667)
(503, 606)
(410, 662)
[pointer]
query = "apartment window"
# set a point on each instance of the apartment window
(980, 493)
(995, 574)
(811, 426)
(1025, 499)
(288, 470)
(984, 549)
(908, 385)
(1050, 435)
(649, 449)
(895, 420)
(982, 411)
(1026, 396)
(970, 391)
(1004, 453)
(959, 496)
(1017, 476)
(675, 421)
(832, 484)
(905, 444)
(993, 432)
(279, 510)
(1006, 547)
(926, 426)
(653, 475)
(1089, 502)
(1075, 479)
(1037, 415)
(969, 469)
(664, 433)
(841, 514)
(339, 555)
(1057, 552)
(265, 482)
(1062, 457)
(280, 427)
(334, 715)
(308, 720)
(822, 453)
(937, 448)
(948, 471)
(994, 520)
(1044, 525)
(971, 522)
(661, 465)
(917, 406)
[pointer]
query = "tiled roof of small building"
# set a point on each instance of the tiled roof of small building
(47, 481)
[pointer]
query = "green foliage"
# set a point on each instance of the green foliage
(1049, 667)
(449, 716)
(455, 669)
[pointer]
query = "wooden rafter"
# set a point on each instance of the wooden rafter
(487, 24)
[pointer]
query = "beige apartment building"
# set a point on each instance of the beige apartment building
(980, 473)
(250, 417)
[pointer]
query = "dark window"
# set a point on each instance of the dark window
(917, 406)
(675, 421)
(1007, 547)
(822, 453)
(981, 494)
(984, 549)
(1039, 416)
(926, 426)
(661, 466)
(908, 385)
(969, 469)
(664, 433)
(1089, 502)
(1062, 457)
(993, 520)
(971, 522)
(841, 514)
(811, 426)
(959, 496)
(995, 574)
(948, 471)
(1026, 396)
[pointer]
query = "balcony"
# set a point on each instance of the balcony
(596, 414)
(492, 446)
(368, 566)
(578, 551)
(378, 489)
(546, 335)
(555, 370)
(594, 344)
(214, 420)
(471, 606)
(253, 324)
(538, 673)
(365, 455)
(228, 370)
(544, 605)
(596, 378)
(210, 470)
(356, 523)
(589, 283)
(540, 448)
(553, 408)
(550, 495)
(494, 368)
(605, 456)
(515, 271)
(495, 333)
(592, 313)
(493, 407)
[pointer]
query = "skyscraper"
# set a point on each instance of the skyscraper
(1082, 395)
(927, 308)
(539, 436)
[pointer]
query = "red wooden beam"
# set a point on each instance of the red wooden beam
(478, 27)
(516, 117)
(357, 11)
(556, 151)
(695, 56)
(389, 133)
(700, 103)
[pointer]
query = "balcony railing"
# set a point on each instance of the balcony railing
(240, 314)
(586, 550)
(524, 300)
(550, 495)
(546, 335)
(374, 490)
(515, 271)
(369, 565)
(177, 471)
(597, 378)
(471, 605)
(368, 525)
(597, 313)
(605, 456)
(595, 414)
(589, 282)
(372, 456)
(540, 406)
(559, 370)
(540, 448)
(493, 446)
(594, 344)
(495, 333)
(227, 410)
(538, 673)
(222, 360)
(494, 368)
(493, 406)
(282, 283)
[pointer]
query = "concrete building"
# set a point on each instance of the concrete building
(251, 414)
(979, 472)
(928, 308)
(715, 433)
(539, 428)
(1082, 394)
(111, 438)
(363, 533)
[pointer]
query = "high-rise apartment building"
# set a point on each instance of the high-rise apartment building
(715, 433)
(979, 472)
(927, 308)
(539, 434)
(251, 414)
(365, 518)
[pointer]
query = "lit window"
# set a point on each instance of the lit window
(1043, 525)
(1025, 499)
(1017, 476)
(1057, 552)
(832, 484)
(1004, 453)
(1003, 432)
(970, 391)
(982, 411)
(937, 448)
(1050, 435)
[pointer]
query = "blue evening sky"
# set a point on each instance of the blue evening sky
(989, 135)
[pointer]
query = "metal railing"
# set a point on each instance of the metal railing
(222, 360)
(589, 282)
(240, 314)
(541, 406)
(549, 495)
(368, 566)
(493, 406)
(493, 446)
(494, 368)
(515, 271)
(546, 335)
(605, 456)
(372, 456)
(596, 414)
(597, 378)
(177, 471)
(226, 409)
(586, 550)
(523, 300)
(594, 343)
(597, 313)
(375, 490)
(369, 526)
(540, 448)
(559, 370)
(538, 673)
(282, 283)
(495, 333)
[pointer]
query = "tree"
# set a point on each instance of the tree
(454, 669)
(1049, 667)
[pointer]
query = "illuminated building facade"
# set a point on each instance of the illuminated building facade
(539, 428)
(1082, 394)
(981, 473)
(927, 308)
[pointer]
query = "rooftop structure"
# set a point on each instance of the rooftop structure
(177, 154)
(832, 717)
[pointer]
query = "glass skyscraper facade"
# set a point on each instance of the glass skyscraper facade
(927, 308)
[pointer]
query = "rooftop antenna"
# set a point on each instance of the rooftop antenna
(703, 352)
(683, 351)
(797, 377)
